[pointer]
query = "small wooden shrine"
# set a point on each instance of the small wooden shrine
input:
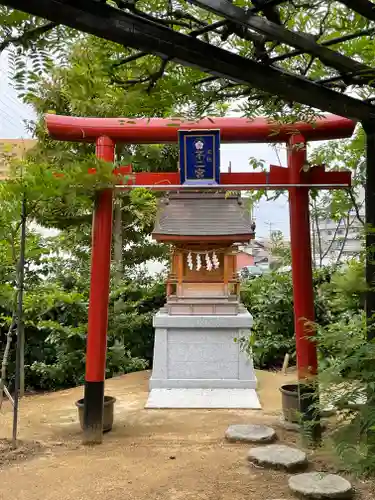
(198, 362)
(203, 230)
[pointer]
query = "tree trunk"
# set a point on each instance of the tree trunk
(4, 363)
(313, 237)
(117, 234)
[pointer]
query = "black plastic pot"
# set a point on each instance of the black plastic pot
(290, 403)
(109, 403)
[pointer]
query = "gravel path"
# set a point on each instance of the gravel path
(149, 455)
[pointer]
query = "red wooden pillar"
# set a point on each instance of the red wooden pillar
(303, 293)
(98, 304)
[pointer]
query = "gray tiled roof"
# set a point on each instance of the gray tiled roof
(202, 214)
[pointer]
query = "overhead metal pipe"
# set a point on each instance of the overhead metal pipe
(226, 187)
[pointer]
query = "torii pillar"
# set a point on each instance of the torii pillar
(98, 304)
(303, 291)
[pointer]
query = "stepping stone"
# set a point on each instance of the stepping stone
(250, 433)
(320, 485)
(278, 456)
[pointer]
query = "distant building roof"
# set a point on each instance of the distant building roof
(10, 149)
(207, 215)
(246, 250)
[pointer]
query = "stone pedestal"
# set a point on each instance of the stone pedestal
(198, 364)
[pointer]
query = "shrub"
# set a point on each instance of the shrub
(269, 300)
(56, 330)
(132, 308)
(346, 373)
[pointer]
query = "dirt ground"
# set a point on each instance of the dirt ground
(150, 454)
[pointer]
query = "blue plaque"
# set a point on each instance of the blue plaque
(199, 157)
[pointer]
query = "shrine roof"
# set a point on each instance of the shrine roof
(203, 214)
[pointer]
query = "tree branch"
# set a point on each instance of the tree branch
(178, 16)
(152, 78)
(344, 240)
(157, 75)
(315, 216)
(229, 28)
(129, 59)
(208, 79)
(332, 240)
(27, 37)
(355, 205)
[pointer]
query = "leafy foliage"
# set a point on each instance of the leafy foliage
(269, 299)
(344, 208)
(279, 250)
(60, 193)
(346, 372)
(57, 270)
(345, 355)
(56, 305)
(134, 304)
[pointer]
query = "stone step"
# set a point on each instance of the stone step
(207, 299)
(319, 485)
(308, 485)
(278, 456)
(250, 433)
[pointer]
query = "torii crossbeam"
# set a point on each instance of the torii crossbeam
(277, 178)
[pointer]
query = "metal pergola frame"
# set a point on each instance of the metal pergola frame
(150, 35)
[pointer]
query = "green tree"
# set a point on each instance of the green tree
(121, 81)
(32, 185)
(279, 250)
(83, 86)
(57, 307)
(344, 207)
(57, 282)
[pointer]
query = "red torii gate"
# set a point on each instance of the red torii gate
(298, 178)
